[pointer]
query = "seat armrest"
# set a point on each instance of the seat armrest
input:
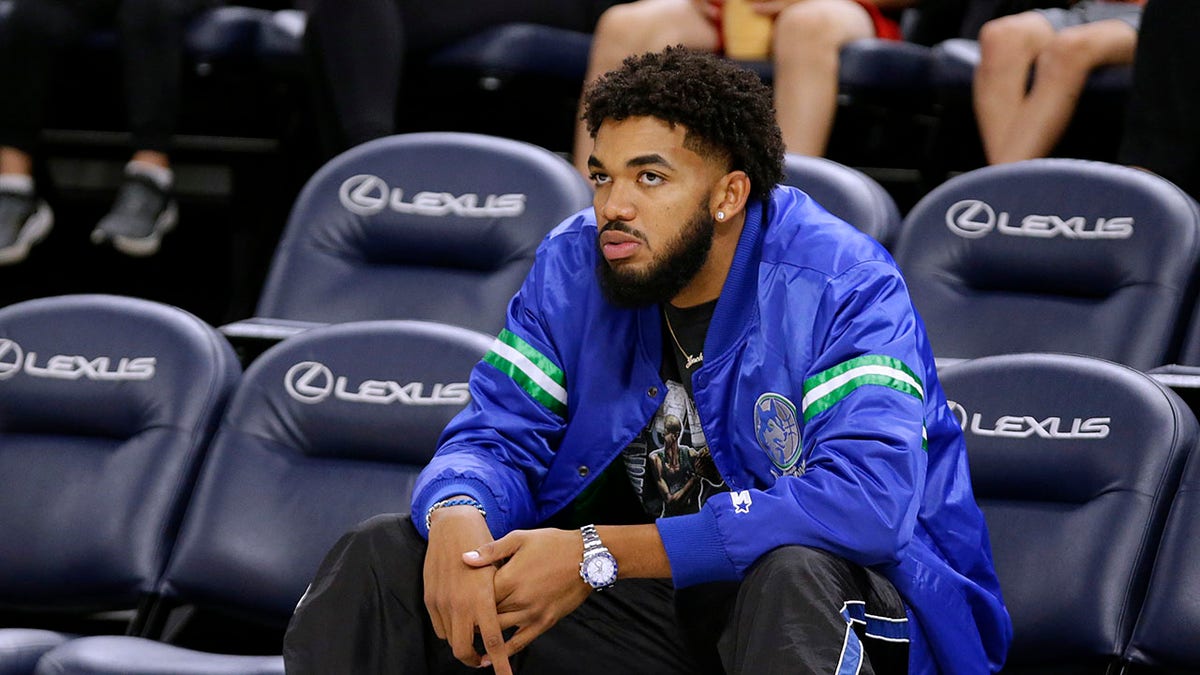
(253, 336)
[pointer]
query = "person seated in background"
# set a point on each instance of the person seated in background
(1059, 48)
(357, 51)
(151, 38)
(1162, 127)
(806, 38)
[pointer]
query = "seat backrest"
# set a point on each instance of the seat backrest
(106, 406)
(845, 192)
(328, 428)
(1074, 461)
(1168, 630)
(1189, 351)
(431, 226)
(1053, 255)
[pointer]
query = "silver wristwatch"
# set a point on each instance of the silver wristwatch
(599, 567)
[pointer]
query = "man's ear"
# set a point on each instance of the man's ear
(730, 195)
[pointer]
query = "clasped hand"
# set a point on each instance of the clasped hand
(528, 580)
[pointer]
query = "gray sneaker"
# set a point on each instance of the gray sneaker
(141, 215)
(24, 221)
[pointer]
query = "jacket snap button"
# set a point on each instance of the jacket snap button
(652, 392)
(583, 472)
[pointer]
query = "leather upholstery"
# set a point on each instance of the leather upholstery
(1074, 461)
(1053, 255)
(431, 226)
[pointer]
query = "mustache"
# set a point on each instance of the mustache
(618, 226)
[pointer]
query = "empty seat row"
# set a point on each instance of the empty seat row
(1086, 472)
(145, 473)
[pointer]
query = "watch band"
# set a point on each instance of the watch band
(591, 540)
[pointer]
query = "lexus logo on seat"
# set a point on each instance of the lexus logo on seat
(309, 382)
(1053, 427)
(368, 195)
(364, 194)
(11, 358)
(73, 366)
(959, 412)
(970, 218)
(313, 382)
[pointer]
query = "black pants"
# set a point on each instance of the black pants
(799, 610)
(151, 34)
(357, 50)
(1162, 132)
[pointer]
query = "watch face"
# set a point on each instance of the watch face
(601, 569)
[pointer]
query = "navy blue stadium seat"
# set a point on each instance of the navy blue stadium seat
(1074, 461)
(281, 38)
(438, 226)
(328, 428)
(106, 407)
(519, 48)
(1167, 636)
(223, 32)
(1054, 255)
(847, 193)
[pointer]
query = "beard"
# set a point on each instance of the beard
(667, 274)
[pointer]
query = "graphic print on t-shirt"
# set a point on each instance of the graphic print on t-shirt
(669, 463)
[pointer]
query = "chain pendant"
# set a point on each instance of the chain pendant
(694, 360)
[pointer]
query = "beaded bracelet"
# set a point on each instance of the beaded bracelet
(456, 501)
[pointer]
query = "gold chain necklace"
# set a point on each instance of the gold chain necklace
(691, 360)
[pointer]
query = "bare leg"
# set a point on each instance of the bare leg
(808, 36)
(633, 28)
(1009, 46)
(152, 157)
(1061, 73)
(14, 161)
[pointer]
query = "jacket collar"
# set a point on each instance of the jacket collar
(737, 303)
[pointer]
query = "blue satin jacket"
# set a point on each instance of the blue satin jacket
(818, 398)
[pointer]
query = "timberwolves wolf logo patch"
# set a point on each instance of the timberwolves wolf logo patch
(778, 432)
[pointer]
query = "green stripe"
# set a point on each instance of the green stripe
(532, 388)
(867, 360)
(829, 400)
(544, 364)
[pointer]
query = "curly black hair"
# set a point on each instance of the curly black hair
(726, 109)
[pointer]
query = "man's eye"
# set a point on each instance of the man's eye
(598, 178)
(652, 179)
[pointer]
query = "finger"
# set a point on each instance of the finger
(523, 637)
(493, 642)
(435, 617)
(462, 642)
(493, 551)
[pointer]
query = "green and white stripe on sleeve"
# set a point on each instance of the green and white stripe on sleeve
(825, 389)
(530, 369)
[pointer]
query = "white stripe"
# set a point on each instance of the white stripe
(530, 369)
(821, 390)
(845, 644)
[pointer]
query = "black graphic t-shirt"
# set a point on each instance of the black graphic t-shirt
(666, 470)
(669, 465)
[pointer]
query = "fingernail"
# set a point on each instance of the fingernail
(472, 555)
(485, 663)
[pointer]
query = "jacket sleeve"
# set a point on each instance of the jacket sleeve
(501, 443)
(862, 443)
